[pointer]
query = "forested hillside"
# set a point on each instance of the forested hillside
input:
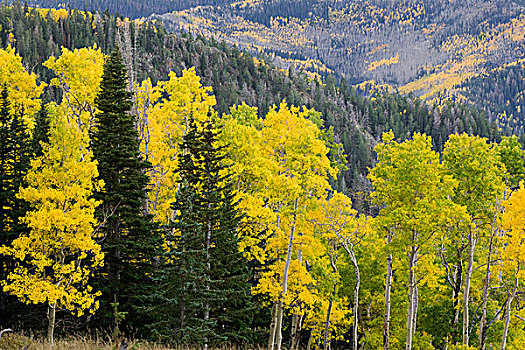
(127, 8)
(429, 48)
(438, 50)
(175, 189)
(236, 77)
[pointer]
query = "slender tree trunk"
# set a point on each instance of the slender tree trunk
(411, 298)
(275, 314)
(296, 318)
(388, 286)
(416, 304)
(483, 322)
(279, 325)
(350, 250)
(51, 310)
(327, 325)
(297, 324)
(330, 302)
(466, 291)
(285, 277)
(458, 280)
(507, 318)
(273, 327)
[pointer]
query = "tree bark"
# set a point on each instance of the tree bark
(466, 290)
(285, 277)
(273, 327)
(507, 318)
(458, 280)
(297, 322)
(279, 325)
(350, 250)
(483, 322)
(275, 314)
(388, 286)
(51, 310)
(412, 296)
(327, 325)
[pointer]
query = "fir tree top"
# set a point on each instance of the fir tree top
(113, 97)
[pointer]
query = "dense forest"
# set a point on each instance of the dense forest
(432, 49)
(173, 188)
(438, 50)
(237, 77)
(127, 8)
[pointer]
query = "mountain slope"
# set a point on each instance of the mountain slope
(237, 77)
(427, 48)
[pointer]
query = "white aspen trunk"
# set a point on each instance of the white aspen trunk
(507, 318)
(327, 325)
(349, 247)
(483, 322)
(411, 299)
(416, 303)
(297, 322)
(273, 326)
(275, 314)
(285, 276)
(466, 290)
(279, 325)
(388, 286)
(51, 311)
(296, 318)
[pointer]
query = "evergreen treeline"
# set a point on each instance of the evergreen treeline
(128, 8)
(501, 94)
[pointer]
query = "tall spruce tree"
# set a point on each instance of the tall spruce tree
(128, 234)
(41, 130)
(15, 157)
(205, 296)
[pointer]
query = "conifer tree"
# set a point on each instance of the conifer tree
(6, 194)
(205, 290)
(15, 157)
(128, 233)
(5, 150)
(41, 130)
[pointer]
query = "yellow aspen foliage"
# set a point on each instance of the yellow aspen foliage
(78, 75)
(512, 252)
(56, 258)
(301, 285)
(251, 169)
(167, 122)
(23, 88)
(340, 320)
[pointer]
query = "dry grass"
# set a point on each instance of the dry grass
(19, 342)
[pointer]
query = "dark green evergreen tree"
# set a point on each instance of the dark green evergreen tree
(15, 157)
(5, 151)
(205, 294)
(21, 155)
(41, 130)
(129, 234)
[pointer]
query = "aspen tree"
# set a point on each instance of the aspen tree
(55, 260)
(477, 168)
(512, 255)
(413, 192)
